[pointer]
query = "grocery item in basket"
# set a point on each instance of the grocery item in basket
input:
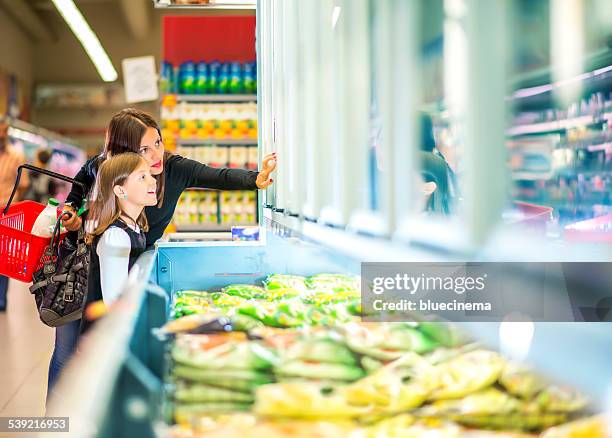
(45, 222)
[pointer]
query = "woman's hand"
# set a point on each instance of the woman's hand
(74, 222)
(263, 178)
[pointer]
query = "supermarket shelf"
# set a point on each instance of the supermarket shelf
(587, 173)
(230, 142)
(558, 125)
(586, 145)
(562, 204)
(597, 61)
(21, 130)
(202, 228)
(81, 107)
(220, 5)
(532, 176)
(216, 98)
(208, 227)
(536, 176)
(196, 236)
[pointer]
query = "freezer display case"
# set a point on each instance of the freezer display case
(171, 358)
(167, 361)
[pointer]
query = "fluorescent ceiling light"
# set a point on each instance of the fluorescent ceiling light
(88, 39)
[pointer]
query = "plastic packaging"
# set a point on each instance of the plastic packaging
(45, 222)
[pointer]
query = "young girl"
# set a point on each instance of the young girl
(117, 224)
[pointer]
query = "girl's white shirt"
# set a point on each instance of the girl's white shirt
(114, 252)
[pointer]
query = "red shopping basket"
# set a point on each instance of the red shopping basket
(21, 252)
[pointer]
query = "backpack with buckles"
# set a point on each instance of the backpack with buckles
(60, 286)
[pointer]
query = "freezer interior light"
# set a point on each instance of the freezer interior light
(515, 338)
(88, 39)
(335, 16)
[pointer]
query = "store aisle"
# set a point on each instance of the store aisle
(25, 350)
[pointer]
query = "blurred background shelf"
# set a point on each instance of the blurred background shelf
(203, 98)
(207, 142)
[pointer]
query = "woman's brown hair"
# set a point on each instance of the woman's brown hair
(105, 209)
(124, 134)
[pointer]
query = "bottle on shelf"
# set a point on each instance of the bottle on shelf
(249, 83)
(224, 80)
(202, 78)
(188, 78)
(236, 79)
(167, 81)
(213, 76)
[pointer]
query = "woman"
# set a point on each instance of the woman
(132, 130)
(441, 187)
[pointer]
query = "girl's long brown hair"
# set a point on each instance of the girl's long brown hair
(105, 209)
(125, 131)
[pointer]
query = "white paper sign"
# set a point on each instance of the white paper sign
(140, 79)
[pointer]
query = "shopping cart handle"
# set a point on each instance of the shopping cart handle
(39, 170)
